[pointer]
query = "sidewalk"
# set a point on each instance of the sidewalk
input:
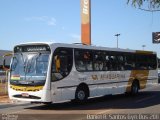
(4, 99)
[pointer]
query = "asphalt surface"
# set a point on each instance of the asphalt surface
(145, 105)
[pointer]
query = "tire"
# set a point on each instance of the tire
(135, 88)
(81, 95)
(47, 103)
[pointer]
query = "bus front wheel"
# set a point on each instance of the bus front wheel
(81, 95)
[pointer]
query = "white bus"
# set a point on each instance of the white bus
(54, 72)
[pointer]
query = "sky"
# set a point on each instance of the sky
(59, 21)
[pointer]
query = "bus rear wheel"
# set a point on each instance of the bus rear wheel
(135, 88)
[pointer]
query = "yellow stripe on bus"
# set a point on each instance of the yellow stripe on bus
(26, 88)
(144, 52)
(141, 76)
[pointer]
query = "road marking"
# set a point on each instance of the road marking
(144, 99)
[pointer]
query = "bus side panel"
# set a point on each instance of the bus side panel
(65, 89)
(145, 78)
(152, 78)
(124, 82)
(97, 84)
(55, 92)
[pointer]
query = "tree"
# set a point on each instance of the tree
(147, 5)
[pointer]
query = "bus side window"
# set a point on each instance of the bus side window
(120, 62)
(111, 62)
(79, 63)
(98, 61)
(87, 59)
(61, 63)
(83, 60)
(141, 62)
(129, 62)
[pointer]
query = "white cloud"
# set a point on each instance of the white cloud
(51, 21)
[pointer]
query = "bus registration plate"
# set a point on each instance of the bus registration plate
(25, 94)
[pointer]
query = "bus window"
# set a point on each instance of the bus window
(61, 63)
(112, 62)
(83, 60)
(42, 64)
(98, 61)
(129, 62)
(142, 62)
(152, 62)
(120, 62)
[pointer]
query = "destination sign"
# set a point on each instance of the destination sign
(31, 48)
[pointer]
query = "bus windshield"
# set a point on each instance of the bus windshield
(29, 68)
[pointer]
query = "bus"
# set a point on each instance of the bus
(57, 72)
(158, 70)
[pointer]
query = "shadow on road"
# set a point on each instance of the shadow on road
(142, 100)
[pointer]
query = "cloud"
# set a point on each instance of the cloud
(51, 21)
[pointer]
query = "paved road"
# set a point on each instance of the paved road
(147, 102)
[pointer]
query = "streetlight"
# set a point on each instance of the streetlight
(143, 46)
(117, 38)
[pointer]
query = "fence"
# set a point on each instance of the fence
(3, 83)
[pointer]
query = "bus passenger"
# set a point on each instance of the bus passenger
(57, 63)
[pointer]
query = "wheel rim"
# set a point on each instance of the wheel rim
(81, 95)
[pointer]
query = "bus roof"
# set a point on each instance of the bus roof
(81, 46)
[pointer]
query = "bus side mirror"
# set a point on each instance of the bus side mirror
(6, 57)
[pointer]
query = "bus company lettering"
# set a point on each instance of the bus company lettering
(85, 7)
(108, 76)
(31, 49)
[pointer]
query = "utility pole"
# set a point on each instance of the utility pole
(117, 38)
